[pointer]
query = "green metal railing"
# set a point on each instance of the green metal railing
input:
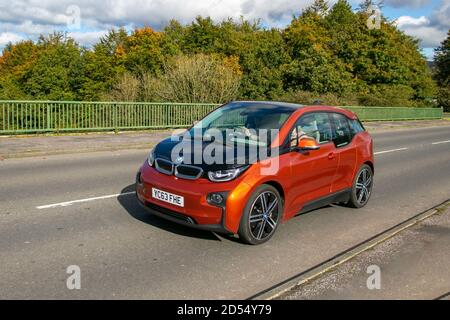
(57, 116)
(396, 113)
(52, 116)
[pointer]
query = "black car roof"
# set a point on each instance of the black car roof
(275, 104)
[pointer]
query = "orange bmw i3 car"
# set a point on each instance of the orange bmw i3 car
(247, 166)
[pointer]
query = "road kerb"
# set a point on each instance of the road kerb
(314, 272)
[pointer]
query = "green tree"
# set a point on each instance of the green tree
(262, 62)
(15, 62)
(143, 51)
(198, 78)
(442, 62)
(104, 65)
(200, 36)
(174, 38)
(314, 67)
(57, 72)
(327, 51)
(125, 89)
(318, 7)
(442, 72)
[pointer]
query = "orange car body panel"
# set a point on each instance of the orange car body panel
(302, 177)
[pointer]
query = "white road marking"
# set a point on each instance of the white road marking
(388, 151)
(441, 142)
(69, 203)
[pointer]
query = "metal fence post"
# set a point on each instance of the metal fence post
(116, 129)
(48, 116)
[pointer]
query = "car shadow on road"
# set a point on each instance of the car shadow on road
(130, 203)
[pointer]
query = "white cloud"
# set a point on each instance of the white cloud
(88, 38)
(155, 12)
(27, 27)
(7, 37)
(411, 21)
(406, 3)
(441, 16)
(421, 28)
(34, 17)
(429, 37)
(29, 18)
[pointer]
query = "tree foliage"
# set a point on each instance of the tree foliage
(442, 73)
(442, 62)
(198, 78)
(326, 52)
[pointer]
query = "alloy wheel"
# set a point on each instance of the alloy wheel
(363, 186)
(264, 215)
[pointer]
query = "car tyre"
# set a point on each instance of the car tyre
(261, 216)
(362, 187)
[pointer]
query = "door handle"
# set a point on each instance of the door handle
(331, 155)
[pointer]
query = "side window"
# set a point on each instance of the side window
(341, 130)
(314, 125)
(356, 126)
(324, 126)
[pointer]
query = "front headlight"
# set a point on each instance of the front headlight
(225, 175)
(151, 158)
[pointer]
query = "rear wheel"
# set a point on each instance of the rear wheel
(362, 187)
(261, 215)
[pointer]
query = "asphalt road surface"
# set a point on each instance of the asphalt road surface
(64, 210)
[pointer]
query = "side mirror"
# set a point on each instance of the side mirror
(308, 143)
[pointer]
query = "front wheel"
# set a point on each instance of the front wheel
(362, 187)
(261, 215)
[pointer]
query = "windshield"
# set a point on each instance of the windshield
(243, 123)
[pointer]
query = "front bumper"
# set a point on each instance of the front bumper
(197, 211)
(182, 219)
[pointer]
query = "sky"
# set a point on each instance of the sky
(87, 20)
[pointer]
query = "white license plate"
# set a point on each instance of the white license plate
(168, 197)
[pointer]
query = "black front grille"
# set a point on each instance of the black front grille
(188, 172)
(170, 213)
(183, 171)
(164, 166)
